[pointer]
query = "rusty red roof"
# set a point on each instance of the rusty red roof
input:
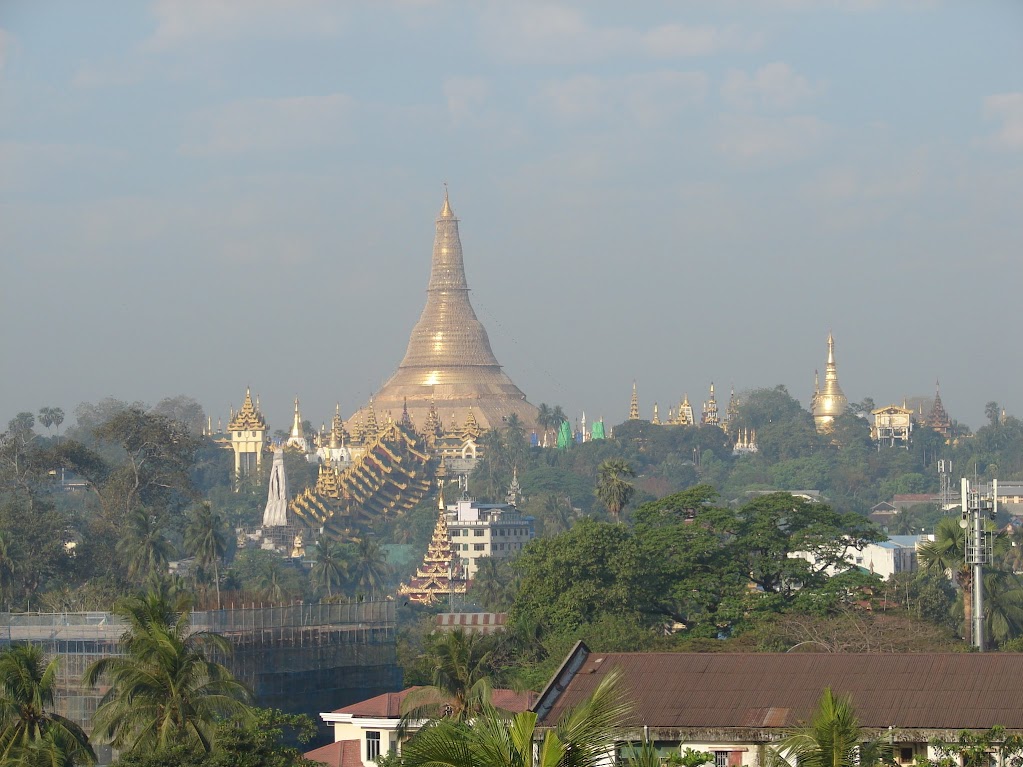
(943, 691)
(388, 705)
(341, 753)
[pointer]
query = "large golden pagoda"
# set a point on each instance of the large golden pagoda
(830, 402)
(449, 363)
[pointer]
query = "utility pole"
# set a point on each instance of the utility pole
(978, 547)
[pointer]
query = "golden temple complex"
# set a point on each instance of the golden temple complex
(449, 367)
(441, 573)
(830, 402)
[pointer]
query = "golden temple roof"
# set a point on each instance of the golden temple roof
(248, 417)
(449, 359)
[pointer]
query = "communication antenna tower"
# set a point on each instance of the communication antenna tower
(945, 479)
(977, 508)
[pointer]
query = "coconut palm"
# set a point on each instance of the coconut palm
(946, 554)
(613, 487)
(29, 730)
(369, 570)
(584, 736)
(331, 566)
(206, 539)
(544, 418)
(164, 690)
(461, 679)
(1003, 606)
(832, 738)
(144, 545)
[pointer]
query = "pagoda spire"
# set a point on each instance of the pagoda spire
(634, 404)
(296, 426)
(830, 402)
(938, 418)
(657, 416)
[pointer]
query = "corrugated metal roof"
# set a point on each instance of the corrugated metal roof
(947, 691)
(388, 705)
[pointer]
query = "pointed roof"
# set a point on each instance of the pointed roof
(634, 404)
(296, 426)
(248, 417)
(830, 402)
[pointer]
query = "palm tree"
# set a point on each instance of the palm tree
(461, 679)
(613, 487)
(331, 566)
(832, 738)
(164, 690)
(270, 580)
(1003, 606)
(369, 571)
(27, 727)
(544, 418)
(946, 554)
(145, 545)
(489, 586)
(206, 539)
(584, 736)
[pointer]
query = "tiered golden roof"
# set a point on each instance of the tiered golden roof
(634, 404)
(710, 409)
(392, 476)
(830, 402)
(248, 417)
(938, 419)
(685, 416)
(440, 574)
(449, 358)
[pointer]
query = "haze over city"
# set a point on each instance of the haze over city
(196, 197)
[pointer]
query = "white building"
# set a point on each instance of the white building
(495, 530)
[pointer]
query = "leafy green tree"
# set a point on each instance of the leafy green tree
(583, 737)
(164, 691)
(977, 749)
(51, 416)
(544, 418)
(946, 555)
(613, 487)
(206, 538)
(832, 738)
(29, 729)
(331, 566)
(1003, 606)
(489, 588)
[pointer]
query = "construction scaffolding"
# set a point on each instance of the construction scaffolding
(303, 658)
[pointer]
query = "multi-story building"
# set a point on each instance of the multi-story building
(480, 530)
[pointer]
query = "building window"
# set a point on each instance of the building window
(372, 745)
(720, 759)
(479, 546)
(906, 754)
(478, 533)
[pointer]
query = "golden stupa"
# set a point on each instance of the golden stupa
(830, 402)
(449, 365)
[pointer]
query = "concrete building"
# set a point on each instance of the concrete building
(480, 530)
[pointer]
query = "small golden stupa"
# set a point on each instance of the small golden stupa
(830, 402)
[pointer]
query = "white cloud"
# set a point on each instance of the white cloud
(97, 76)
(648, 98)
(1007, 108)
(465, 96)
(181, 22)
(553, 33)
(757, 140)
(774, 85)
(271, 124)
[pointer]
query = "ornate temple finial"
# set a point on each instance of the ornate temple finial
(830, 402)
(513, 489)
(296, 426)
(657, 416)
(446, 211)
(816, 381)
(634, 404)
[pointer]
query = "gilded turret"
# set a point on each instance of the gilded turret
(449, 355)
(634, 404)
(247, 431)
(685, 412)
(297, 438)
(732, 413)
(938, 419)
(830, 402)
(657, 416)
(710, 409)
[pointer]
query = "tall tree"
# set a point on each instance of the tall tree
(946, 554)
(613, 487)
(164, 691)
(28, 726)
(369, 570)
(206, 537)
(51, 416)
(144, 544)
(544, 418)
(331, 565)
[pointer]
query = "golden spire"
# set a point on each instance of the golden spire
(657, 417)
(634, 404)
(296, 426)
(446, 211)
(247, 418)
(830, 402)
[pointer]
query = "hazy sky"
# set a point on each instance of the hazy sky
(199, 195)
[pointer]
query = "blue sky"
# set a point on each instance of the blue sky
(197, 196)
